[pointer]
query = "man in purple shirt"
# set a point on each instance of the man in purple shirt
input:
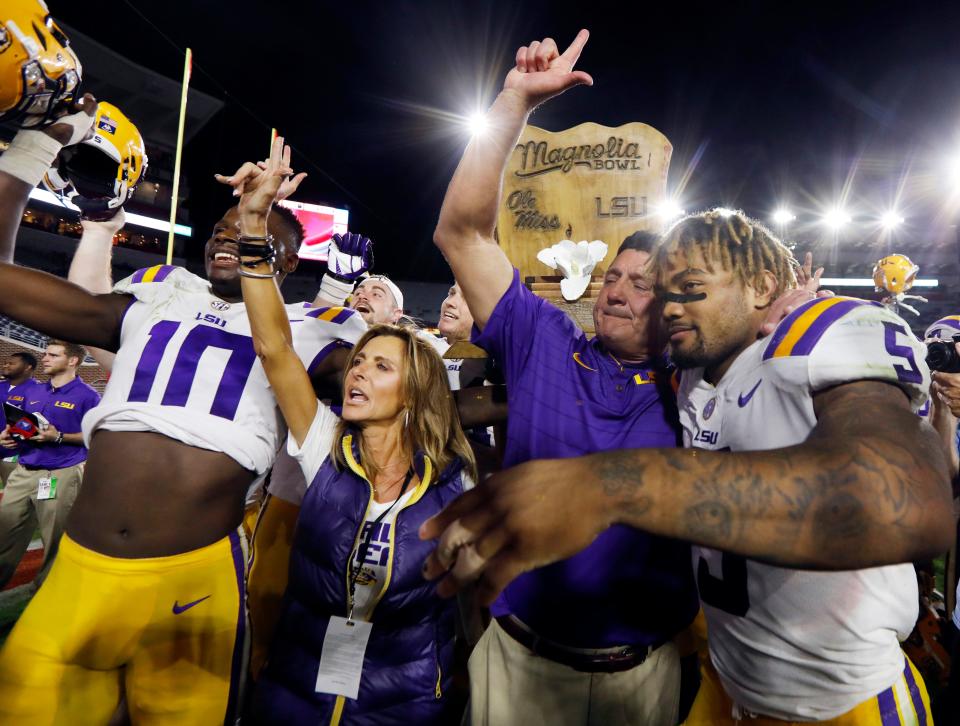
(587, 640)
(42, 488)
(16, 380)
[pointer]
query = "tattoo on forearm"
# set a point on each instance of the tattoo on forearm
(851, 490)
(708, 519)
(622, 479)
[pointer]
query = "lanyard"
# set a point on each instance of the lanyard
(360, 554)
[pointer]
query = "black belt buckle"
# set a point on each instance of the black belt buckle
(624, 659)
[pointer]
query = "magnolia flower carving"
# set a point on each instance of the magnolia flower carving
(575, 261)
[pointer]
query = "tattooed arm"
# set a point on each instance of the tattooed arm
(870, 486)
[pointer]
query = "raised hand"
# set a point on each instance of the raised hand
(350, 256)
(808, 288)
(807, 279)
(542, 72)
(75, 123)
(290, 183)
(110, 226)
(508, 525)
(256, 187)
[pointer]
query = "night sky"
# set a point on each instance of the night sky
(776, 102)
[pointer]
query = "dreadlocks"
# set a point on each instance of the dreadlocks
(743, 246)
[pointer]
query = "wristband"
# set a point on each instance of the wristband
(59, 438)
(258, 275)
(259, 252)
(334, 288)
(30, 155)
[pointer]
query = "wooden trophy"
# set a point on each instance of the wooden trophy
(589, 182)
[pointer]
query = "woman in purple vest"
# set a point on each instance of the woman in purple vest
(363, 637)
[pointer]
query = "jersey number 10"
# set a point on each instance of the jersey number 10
(184, 371)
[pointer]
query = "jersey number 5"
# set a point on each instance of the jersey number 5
(728, 592)
(905, 374)
(232, 382)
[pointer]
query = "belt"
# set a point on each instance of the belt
(586, 660)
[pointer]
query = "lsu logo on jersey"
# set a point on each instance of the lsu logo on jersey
(65, 404)
(705, 436)
(802, 329)
(213, 319)
(645, 377)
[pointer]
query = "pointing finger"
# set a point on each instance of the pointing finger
(572, 54)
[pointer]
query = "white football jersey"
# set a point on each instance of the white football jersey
(799, 644)
(441, 346)
(186, 367)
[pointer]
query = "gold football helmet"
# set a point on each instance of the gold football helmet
(39, 72)
(895, 274)
(100, 174)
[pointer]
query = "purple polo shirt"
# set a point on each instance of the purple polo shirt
(568, 397)
(64, 407)
(18, 396)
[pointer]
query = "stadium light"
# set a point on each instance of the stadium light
(669, 209)
(953, 169)
(783, 216)
(868, 282)
(477, 123)
(725, 212)
(891, 220)
(836, 218)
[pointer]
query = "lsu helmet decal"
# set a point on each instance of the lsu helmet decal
(100, 174)
(39, 72)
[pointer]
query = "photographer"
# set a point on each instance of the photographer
(943, 357)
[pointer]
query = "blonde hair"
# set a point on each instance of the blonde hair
(741, 244)
(434, 423)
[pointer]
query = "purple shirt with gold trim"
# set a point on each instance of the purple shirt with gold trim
(63, 407)
(569, 397)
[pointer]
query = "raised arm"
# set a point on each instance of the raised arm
(90, 267)
(269, 324)
(29, 156)
(870, 486)
(47, 303)
(468, 217)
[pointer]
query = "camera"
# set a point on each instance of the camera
(942, 355)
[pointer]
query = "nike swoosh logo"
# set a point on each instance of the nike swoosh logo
(744, 400)
(177, 609)
(576, 358)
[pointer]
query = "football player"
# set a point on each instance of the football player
(832, 482)
(152, 562)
